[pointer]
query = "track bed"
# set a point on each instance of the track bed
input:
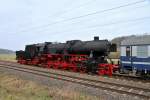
(132, 88)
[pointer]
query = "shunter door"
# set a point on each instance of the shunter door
(129, 56)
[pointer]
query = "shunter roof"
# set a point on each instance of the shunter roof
(137, 40)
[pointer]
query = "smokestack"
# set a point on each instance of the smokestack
(96, 38)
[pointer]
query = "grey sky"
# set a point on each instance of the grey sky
(19, 15)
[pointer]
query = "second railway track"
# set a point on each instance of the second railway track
(114, 87)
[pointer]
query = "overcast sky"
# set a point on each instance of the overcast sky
(31, 21)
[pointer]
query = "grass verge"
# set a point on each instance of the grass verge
(8, 57)
(13, 88)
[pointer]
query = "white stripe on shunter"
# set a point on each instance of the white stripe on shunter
(144, 63)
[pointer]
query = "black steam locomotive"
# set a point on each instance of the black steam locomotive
(75, 55)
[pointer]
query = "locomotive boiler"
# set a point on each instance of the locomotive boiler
(96, 47)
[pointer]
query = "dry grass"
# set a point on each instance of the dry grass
(114, 56)
(13, 88)
(8, 57)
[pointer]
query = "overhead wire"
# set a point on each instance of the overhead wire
(59, 13)
(79, 23)
(108, 24)
(82, 16)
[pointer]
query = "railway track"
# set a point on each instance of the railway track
(114, 87)
(115, 75)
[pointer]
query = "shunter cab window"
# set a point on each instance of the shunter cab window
(128, 51)
(142, 51)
